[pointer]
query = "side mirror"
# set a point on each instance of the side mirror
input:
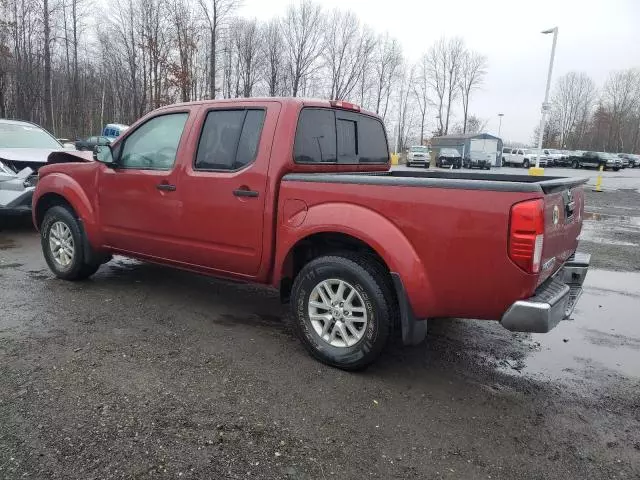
(103, 154)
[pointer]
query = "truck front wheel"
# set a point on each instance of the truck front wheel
(342, 310)
(63, 245)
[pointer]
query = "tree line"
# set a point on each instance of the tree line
(73, 66)
(587, 118)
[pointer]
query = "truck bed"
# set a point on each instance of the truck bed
(446, 179)
(454, 224)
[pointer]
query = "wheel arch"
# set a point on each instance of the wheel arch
(334, 226)
(59, 189)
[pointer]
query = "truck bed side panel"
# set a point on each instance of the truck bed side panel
(459, 235)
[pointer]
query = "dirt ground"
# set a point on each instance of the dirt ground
(147, 372)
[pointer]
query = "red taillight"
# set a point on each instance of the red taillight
(526, 234)
(345, 105)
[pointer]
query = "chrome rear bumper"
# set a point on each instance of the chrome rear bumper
(552, 302)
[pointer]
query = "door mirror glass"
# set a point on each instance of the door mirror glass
(102, 153)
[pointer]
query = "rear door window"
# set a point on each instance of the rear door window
(229, 139)
(373, 141)
(337, 136)
(316, 136)
(347, 140)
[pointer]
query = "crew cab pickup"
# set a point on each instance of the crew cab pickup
(299, 195)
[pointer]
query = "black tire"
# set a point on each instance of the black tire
(525, 163)
(372, 283)
(575, 164)
(78, 268)
(615, 169)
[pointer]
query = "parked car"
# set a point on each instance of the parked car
(597, 160)
(525, 157)
(556, 158)
(67, 143)
(24, 148)
(628, 160)
(298, 194)
(418, 155)
(477, 160)
(90, 143)
(449, 157)
(631, 160)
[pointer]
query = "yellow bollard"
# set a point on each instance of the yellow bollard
(538, 172)
(599, 180)
(394, 158)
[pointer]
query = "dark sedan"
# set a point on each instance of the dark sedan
(90, 143)
(448, 157)
(630, 160)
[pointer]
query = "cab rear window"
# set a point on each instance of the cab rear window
(336, 136)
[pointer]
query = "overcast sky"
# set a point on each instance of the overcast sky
(596, 36)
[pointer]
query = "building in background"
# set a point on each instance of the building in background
(470, 142)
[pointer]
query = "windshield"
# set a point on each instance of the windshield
(555, 151)
(26, 136)
(449, 151)
(418, 149)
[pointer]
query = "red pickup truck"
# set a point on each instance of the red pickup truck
(298, 194)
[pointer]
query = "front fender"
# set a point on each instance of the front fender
(368, 226)
(69, 189)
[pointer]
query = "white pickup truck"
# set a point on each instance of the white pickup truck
(523, 157)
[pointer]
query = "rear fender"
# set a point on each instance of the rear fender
(374, 230)
(67, 188)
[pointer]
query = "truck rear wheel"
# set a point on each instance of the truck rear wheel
(63, 245)
(342, 310)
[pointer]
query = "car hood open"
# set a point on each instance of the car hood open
(67, 156)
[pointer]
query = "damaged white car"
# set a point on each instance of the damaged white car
(24, 148)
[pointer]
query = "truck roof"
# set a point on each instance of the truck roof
(302, 102)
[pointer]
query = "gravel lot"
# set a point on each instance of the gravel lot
(147, 372)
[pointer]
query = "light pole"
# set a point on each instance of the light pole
(500, 115)
(545, 104)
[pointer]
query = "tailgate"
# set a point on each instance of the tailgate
(563, 212)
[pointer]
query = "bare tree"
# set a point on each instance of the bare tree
(473, 68)
(185, 36)
(249, 54)
(422, 91)
(387, 60)
(46, 28)
(436, 65)
(445, 61)
(621, 93)
(273, 56)
(572, 102)
(405, 110)
(347, 47)
(216, 12)
(302, 29)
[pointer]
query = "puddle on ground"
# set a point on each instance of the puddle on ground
(603, 217)
(6, 243)
(622, 230)
(602, 339)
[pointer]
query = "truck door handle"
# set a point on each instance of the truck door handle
(166, 187)
(245, 192)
